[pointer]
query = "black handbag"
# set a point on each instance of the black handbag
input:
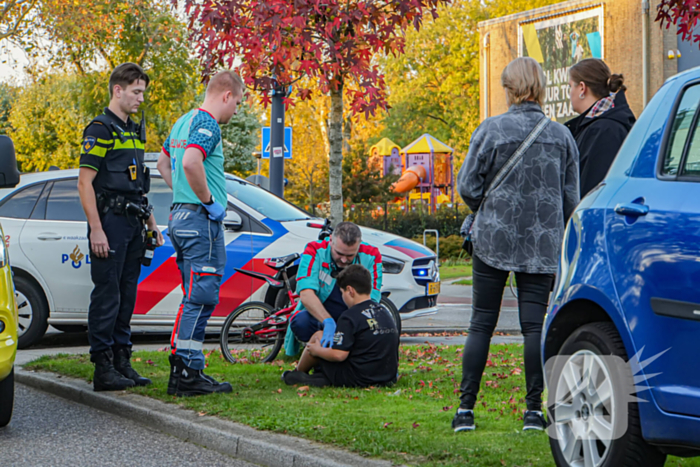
(468, 224)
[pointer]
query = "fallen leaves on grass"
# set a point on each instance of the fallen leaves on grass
(416, 425)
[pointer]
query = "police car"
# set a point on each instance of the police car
(46, 231)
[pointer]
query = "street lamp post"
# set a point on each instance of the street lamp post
(277, 142)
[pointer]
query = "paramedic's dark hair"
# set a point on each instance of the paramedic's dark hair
(348, 233)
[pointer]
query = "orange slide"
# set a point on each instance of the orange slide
(409, 179)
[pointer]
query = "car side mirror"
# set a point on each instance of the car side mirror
(233, 221)
(9, 175)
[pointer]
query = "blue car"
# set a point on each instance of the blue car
(621, 341)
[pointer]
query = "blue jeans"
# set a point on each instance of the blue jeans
(201, 257)
(304, 325)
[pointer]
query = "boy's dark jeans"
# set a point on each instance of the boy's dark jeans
(533, 295)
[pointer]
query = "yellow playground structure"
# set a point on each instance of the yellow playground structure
(426, 168)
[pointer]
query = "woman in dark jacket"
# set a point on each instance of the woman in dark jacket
(605, 119)
(519, 227)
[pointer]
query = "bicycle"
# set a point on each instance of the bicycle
(261, 328)
(257, 326)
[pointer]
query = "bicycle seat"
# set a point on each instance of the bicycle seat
(274, 283)
(282, 262)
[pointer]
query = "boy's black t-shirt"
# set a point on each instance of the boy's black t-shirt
(368, 332)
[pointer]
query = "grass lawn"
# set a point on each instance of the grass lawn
(463, 282)
(407, 423)
(453, 269)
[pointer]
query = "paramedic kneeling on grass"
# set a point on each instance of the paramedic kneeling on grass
(321, 303)
(365, 344)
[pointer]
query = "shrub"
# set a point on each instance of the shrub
(388, 218)
(450, 246)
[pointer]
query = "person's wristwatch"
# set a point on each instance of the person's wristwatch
(211, 200)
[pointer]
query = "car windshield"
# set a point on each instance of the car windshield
(264, 202)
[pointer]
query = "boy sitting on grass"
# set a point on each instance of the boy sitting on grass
(365, 346)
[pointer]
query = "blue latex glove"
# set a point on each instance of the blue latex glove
(216, 211)
(328, 332)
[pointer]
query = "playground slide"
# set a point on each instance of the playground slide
(409, 179)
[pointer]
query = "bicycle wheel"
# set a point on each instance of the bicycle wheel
(239, 340)
(389, 305)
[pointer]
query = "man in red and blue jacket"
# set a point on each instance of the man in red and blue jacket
(320, 300)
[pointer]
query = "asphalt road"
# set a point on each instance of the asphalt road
(49, 431)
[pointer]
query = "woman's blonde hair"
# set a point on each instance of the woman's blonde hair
(523, 79)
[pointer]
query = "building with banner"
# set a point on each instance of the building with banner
(621, 32)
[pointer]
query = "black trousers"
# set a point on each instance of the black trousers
(116, 279)
(533, 296)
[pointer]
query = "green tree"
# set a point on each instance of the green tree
(240, 138)
(47, 120)
(364, 183)
(434, 86)
(93, 39)
(307, 171)
(15, 17)
(8, 93)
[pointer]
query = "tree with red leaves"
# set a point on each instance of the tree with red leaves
(332, 42)
(683, 14)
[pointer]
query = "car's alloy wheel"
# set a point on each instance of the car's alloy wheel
(585, 408)
(24, 312)
(593, 413)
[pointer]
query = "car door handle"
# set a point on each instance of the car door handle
(632, 209)
(49, 236)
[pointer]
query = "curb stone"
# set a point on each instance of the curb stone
(228, 438)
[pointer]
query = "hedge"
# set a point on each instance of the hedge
(447, 220)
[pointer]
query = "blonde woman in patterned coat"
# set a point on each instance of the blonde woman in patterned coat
(519, 228)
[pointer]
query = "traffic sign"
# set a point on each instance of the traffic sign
(266, 150)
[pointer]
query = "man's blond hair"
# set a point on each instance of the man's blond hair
(225, 81)
(523, 80)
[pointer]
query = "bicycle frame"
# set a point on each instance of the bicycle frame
(278, 321)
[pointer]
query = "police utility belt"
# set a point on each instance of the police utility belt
(124, 206)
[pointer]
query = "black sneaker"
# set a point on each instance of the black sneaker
(318, 380)
(463, 421)
(534, 420)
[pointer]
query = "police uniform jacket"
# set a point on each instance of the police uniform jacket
(115, 150)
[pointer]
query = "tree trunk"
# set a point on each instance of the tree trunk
(347, 135)
(335, 161)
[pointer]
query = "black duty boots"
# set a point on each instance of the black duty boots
(175, 369)
(122, 363)
(107, 378)
(189, 382)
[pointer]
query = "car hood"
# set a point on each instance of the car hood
(387, 243)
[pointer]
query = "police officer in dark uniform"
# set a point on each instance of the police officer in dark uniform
(113, 183)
